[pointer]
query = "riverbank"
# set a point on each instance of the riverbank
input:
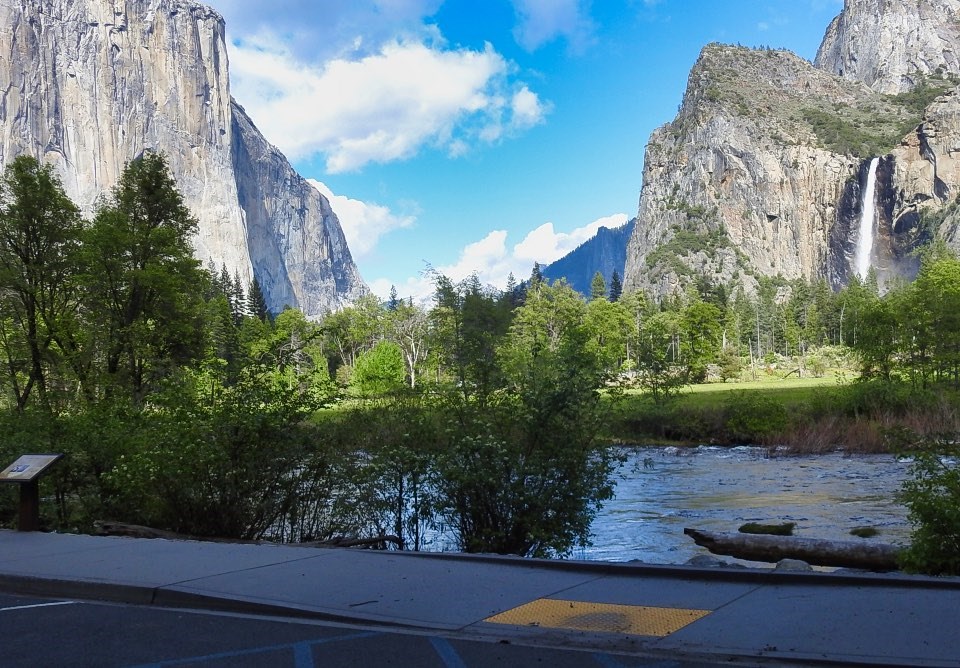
(809, 415)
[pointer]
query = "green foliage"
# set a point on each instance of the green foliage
(730, 365)
(754, 417)
(39, 240)
(141, 280)
(659, 369)
(380, 370)
(526, 477)
(863, 132)
(204, 470)
(845, 132)
(598, 287)
(931, 494)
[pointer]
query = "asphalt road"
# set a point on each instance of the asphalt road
(57, 632)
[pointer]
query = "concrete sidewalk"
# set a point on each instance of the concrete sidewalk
(681, 612)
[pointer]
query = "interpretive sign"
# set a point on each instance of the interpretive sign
(28, 467)
(26, 471)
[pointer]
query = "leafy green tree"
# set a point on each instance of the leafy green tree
(657, 356)
(354, 329)
(608, 325)
(542, 325)
(879, 338)
(931, 493)
(523, 475)
(141, 279)
(39, 238)
(204, 469)
(700, 345)
(936, 316)
(380, 370)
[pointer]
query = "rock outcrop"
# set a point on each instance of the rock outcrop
(890, 45)
(88, 85)
(763, 170)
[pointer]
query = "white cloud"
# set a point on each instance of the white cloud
(492, 261)
(316, 32)
(545, 245)
(382, 107)
(363, 223)
(542, 21)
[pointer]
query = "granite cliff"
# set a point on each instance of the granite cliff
(88, 85)
(763, 171)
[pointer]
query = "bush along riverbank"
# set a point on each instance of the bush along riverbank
(863, 416)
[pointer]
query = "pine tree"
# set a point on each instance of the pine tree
(598, 287)
(536, 276)
(238, 298)
(256, 302)
(616, 286)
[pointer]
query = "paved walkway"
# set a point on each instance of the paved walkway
(677, 612)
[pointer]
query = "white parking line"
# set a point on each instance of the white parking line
(37, 605)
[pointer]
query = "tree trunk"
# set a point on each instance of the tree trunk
(756, 547)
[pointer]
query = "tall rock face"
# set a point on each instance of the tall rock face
(88, 85)
(740, 184)
(890, 45)
(605, 252)
(764, 170)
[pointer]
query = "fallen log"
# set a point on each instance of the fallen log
(816, 552)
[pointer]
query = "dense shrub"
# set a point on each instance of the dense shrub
(754, 418)
(932, 496)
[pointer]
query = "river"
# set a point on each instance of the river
(662, 490)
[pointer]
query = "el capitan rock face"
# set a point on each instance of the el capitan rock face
(88, 85)
(763, 171)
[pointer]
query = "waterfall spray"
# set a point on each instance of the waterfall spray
(867, 222)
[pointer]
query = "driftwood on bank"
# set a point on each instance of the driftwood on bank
(767, 548)
(104, 528)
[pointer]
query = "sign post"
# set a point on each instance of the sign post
(26, 472)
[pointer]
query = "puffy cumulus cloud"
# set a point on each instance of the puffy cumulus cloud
(363, 223)
(492, 260)
(542, 21)
(381, 107)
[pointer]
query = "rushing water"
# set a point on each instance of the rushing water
(867, 222)
(663, 490)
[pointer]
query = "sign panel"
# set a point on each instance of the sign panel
(27, 468)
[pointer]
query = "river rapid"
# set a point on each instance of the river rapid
(662, 490)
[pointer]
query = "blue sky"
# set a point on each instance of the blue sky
(481, 135)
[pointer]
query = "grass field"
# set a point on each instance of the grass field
(790, 390)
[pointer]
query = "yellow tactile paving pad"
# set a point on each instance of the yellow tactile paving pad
(599, 617)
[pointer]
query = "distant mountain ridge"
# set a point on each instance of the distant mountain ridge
(606, 252)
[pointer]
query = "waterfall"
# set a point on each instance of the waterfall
(865, 240)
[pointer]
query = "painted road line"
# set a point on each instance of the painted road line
(36, 605)
(637, 620)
